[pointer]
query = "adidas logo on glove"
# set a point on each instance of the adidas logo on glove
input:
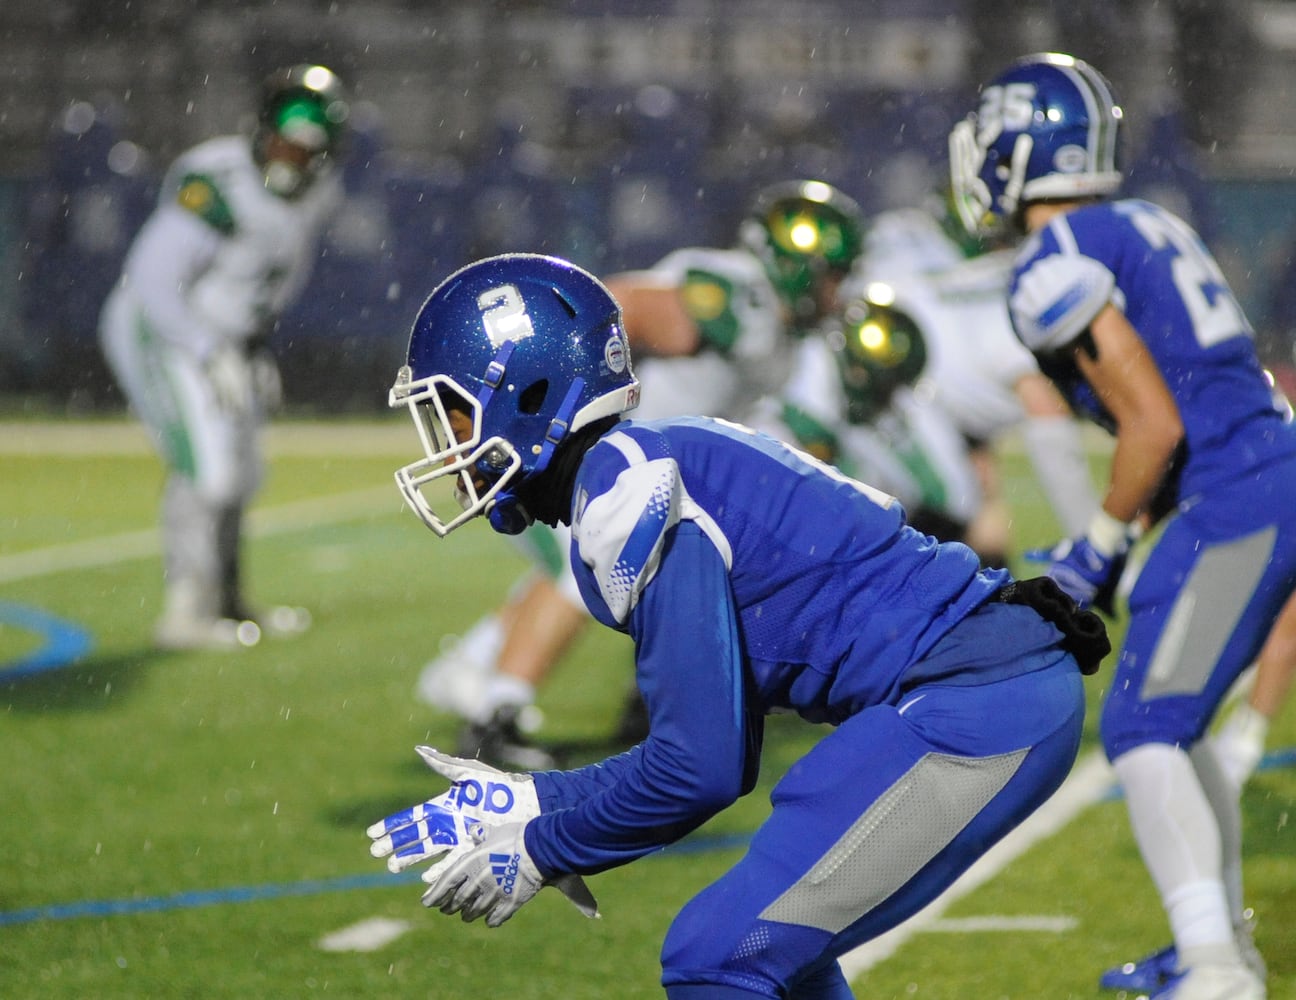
(495, 796)
(505, 869)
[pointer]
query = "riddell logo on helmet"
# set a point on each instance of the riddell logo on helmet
(505, 869)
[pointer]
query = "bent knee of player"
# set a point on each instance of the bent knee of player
(705, 945)
(225, 485)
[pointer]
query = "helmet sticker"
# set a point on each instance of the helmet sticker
(504, 315)
(1071, 159)
(614, 352)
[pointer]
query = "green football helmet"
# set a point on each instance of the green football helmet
(305, 106)
(881, 349)
(803, 232)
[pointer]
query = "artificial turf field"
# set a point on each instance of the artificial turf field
(192, 825)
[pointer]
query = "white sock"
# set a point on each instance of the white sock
(1222, 795)
(1179, 837)
(480, 645)
(504, 690)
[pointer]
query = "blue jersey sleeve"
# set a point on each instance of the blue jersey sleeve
(704, 744)
(1057, 290)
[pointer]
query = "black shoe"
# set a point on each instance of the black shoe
(501, 743)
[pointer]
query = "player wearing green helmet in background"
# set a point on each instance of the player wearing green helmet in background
(229, 247)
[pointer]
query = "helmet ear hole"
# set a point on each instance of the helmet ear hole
(533, 397)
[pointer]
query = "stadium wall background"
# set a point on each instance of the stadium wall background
(608, 131)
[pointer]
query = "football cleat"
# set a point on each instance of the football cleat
(1143, 976)
(500, 742)
(178, 632)
(1213, 982)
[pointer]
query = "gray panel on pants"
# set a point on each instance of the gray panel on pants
(908, 825)
(1205, 614)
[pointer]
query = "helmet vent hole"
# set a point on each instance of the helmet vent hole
(566, 302)
(533, 396)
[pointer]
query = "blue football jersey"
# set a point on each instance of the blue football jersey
(752, 579)
(833, 591)
(1152, 266)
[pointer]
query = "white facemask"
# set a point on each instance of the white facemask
(284, 179)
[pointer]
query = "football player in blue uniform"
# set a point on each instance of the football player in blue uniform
(1130, 314)
(751, 578)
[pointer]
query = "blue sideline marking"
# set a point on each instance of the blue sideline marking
(252, 893)
(65, 642)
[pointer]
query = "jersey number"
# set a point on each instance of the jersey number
(1213, 311)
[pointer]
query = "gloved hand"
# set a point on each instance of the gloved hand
(267, 386)
(480, 797)
(1089, 567)
(494, 877)
(478, 793)
(230, 377)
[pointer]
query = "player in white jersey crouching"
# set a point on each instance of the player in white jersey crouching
(851, 402)
(978, 374)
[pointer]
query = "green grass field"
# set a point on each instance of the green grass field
(192, 825)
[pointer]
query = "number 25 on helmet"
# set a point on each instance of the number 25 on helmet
(1046, 128)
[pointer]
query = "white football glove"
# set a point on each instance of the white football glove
(478, 793)
(494, 877)
(267, 384)
(452, 824)
(230, 377)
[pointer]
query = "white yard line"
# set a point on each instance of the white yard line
(1088, 782)
(367, 935)
(1014, 925)
(285, 518)
(120, 436)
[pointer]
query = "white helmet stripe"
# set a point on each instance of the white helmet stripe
(1098, 105)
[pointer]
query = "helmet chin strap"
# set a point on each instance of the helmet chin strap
(506, 514)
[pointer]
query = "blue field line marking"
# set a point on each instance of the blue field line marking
(253, 893)
(65, 642)
(1270, 762)
(206, 897)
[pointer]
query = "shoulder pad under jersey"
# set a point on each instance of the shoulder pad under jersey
(199, 195)
(1055, 297)
(628, 496)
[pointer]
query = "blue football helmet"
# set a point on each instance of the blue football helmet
(523, 349)
(1046, 128)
